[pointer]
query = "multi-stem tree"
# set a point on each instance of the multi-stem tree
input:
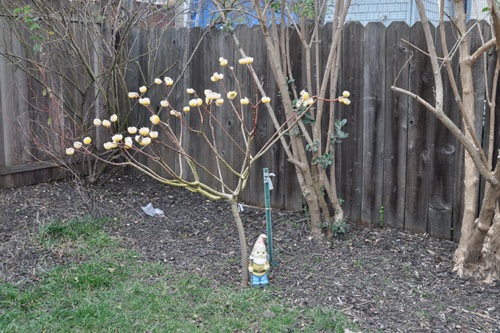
(478, 251)
(311, 145)
(163, 149)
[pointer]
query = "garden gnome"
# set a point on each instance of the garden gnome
(258, 265)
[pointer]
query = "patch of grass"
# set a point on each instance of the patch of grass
(70, 230)
(82, 238)
(116, 291)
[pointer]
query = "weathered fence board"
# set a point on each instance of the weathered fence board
(351, 153)
(273, 158)
(399, 166)
(396, 124)
(286, 173)
(420, 137)
(445, 164)
(229, 125)
(373, 107)
(13, 95)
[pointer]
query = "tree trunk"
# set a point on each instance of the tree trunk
(301, 165)
(472, 255)
(477, 257)
(476, 254)
(243, 243)
(314, 213)
(491, 253)
(471, 177)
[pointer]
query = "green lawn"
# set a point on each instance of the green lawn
(111, 289)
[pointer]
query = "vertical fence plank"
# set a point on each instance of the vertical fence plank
(351, 149)
(287, 179)
(373, 101)
(420, 137)
(13, 91)
(175, 43)
(444, 156)
(274, 158)
(396, 124)
(206, 65)
(158, 61)
(244, 34)
(226, 114)
(6, 158)
(256, 48)
(191, 40)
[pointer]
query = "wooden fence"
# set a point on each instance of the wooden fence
(399, 167)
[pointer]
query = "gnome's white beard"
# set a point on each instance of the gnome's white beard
(259, 261)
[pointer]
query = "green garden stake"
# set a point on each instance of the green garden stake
(268, 186)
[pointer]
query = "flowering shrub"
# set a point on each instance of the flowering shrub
(160, 134)
(145, 135)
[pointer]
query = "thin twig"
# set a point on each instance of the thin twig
(419, 49)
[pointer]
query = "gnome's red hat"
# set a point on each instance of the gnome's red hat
(260, 242)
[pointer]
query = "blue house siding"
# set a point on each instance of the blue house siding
(202, 12)
(388, 11)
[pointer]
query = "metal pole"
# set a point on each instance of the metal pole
(267, 199)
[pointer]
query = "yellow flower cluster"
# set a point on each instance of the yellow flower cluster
(144, 135)
(117, 138)
(223, 61)
(110, 145)
(105, 123)
(195, 102)
(305, 99)
(155, 120)
(144, 131)
(211, 96)
(345, 98)
(128, 142)
(143, 140)
(265, 99)
(78, 145)
(175, 113)
(216, 77)
(168, 81)
(245, 61)
(144, 101)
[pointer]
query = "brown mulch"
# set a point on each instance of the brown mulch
(383, 279)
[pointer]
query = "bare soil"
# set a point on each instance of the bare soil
(383, 279)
